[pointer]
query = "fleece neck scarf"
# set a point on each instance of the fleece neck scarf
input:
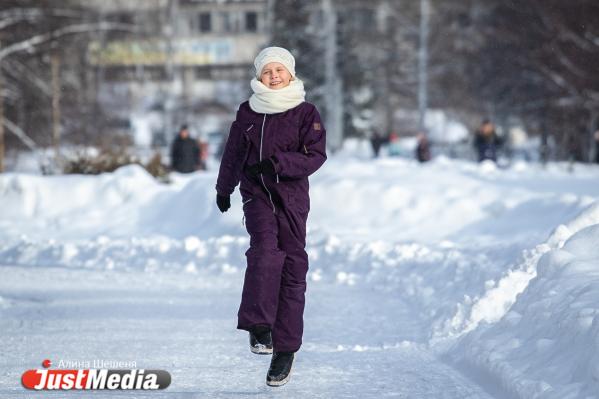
(270, 101)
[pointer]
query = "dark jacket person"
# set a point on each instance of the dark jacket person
(423, 149)
(185, 152)
(486, 142)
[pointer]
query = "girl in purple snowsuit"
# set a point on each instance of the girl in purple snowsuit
(275, 143)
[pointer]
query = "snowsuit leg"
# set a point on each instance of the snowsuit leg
(260, 296)
(289, 326)
(275, 278)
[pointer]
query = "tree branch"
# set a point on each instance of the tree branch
(17, 131)
(30, 43)
(16, 15)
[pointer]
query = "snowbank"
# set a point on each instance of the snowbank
(538, 329)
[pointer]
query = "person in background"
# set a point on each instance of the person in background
(597, 146)
(574, 147)
(376, 140)
(203, 161)
(423, 150)
(394, 149)
(185, 152)
(486, 142)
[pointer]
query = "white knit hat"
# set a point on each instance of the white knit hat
(274, 54)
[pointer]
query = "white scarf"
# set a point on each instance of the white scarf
(270, 101)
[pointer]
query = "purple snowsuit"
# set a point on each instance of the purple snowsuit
(276, 209)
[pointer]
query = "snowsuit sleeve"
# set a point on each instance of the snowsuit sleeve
(312, 152)
(231, 163)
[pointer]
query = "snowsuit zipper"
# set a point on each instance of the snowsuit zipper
(261, 175)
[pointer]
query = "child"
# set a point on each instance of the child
(275, 143)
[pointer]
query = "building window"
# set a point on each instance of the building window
(227, 22)
(205, 22)
(203, 72)
(251, 21)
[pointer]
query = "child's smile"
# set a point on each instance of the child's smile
(275, 76)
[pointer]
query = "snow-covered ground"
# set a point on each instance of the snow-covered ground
(444, 280)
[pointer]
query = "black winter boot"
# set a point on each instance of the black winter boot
(261, 340)
(280, 369)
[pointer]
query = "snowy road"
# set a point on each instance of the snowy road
(168, 321)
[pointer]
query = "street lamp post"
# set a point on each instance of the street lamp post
(423, 62)
(333, 96)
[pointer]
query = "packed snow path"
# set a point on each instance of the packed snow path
(165, 321)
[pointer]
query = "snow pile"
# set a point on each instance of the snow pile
(399, 200)
(223, 254)
(126, 203)
(493, 304)
(392, 200)
(546, 344)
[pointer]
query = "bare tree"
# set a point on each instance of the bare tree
(44, 45)
(530, 60)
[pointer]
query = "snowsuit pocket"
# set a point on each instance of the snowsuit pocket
(296, 201)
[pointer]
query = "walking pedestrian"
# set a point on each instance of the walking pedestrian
(185, 152)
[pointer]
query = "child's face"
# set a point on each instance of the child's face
(275, 76)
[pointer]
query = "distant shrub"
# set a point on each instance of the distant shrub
(156, 168)
(108, 161)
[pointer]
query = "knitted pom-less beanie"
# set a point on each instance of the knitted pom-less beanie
(274, 54)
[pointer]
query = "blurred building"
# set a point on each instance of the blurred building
(184, 61)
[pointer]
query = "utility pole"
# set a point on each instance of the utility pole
(389, 66)
(55, 66)
(334, 100)
(170, 66)
(423, 62)
(270, 19)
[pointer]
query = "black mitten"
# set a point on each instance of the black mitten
(265, 167)
(223, 202)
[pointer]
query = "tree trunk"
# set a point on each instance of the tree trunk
(1, 123)
(55, 61)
